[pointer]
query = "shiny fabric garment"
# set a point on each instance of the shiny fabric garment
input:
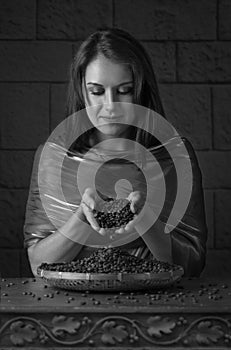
(188, 238)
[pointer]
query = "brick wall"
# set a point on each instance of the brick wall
(189, 43)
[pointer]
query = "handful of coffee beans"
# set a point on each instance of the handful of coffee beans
(114, 213)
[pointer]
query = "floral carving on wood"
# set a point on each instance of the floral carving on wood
(62, 324)
(113, 333)
(22, 333)
(115, 330)
(206, 333)
(160, 325)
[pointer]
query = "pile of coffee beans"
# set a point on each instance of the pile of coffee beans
(111, 260)
(114, 213)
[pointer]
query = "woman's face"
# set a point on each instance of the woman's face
(107, 88)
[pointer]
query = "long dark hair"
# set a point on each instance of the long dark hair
(119, 46)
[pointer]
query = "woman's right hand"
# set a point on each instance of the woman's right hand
(87, 207)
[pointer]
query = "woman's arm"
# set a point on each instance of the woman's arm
(186, 244)
(190, 236)
(157, 241)
(45, 241)
(61, 245)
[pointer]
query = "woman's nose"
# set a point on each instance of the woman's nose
(110, 101)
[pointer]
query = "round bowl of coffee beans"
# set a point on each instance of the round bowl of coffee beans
(114, 213)
(110, 269)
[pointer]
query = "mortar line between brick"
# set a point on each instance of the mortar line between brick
(176, 62)
(214, 219)
(14, 188)
(212, 118)
(45, 40)
(36, 19)
(217, 188)
(18, 149)
(210, 237)
(207, 150)
(184, 41)
(32, 82)
(217, 20)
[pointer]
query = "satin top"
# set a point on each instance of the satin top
(188, 238)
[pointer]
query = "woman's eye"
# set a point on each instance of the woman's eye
(124, 91)
(96, 92)
(121, 91)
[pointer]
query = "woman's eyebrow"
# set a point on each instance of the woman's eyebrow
(124, 83)
(90, 83)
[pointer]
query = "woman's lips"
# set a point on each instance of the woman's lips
(111, 119)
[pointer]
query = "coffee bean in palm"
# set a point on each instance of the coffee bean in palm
(114, 213)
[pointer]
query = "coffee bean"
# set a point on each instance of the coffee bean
(114, 214)
(112, 260)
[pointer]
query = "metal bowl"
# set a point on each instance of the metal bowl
(111, 282)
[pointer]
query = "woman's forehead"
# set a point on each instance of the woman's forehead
(103, 70)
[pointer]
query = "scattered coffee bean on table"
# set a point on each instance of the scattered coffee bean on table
(114, 213)
(111, 260)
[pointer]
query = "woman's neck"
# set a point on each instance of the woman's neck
(110, 144)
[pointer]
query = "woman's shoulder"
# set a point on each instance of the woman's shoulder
(37, 154)
(48, 147)
(186, 141)
(39, 149)
(189, 146)
(193, 158)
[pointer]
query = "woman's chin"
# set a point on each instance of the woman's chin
(112, 130)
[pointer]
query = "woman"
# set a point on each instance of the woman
(111, 72)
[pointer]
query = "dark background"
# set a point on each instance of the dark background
(189, 43)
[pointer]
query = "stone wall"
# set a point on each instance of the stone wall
(189, 43)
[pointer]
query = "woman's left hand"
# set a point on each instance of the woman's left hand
(137, 200)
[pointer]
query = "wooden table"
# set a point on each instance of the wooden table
(194, 313)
